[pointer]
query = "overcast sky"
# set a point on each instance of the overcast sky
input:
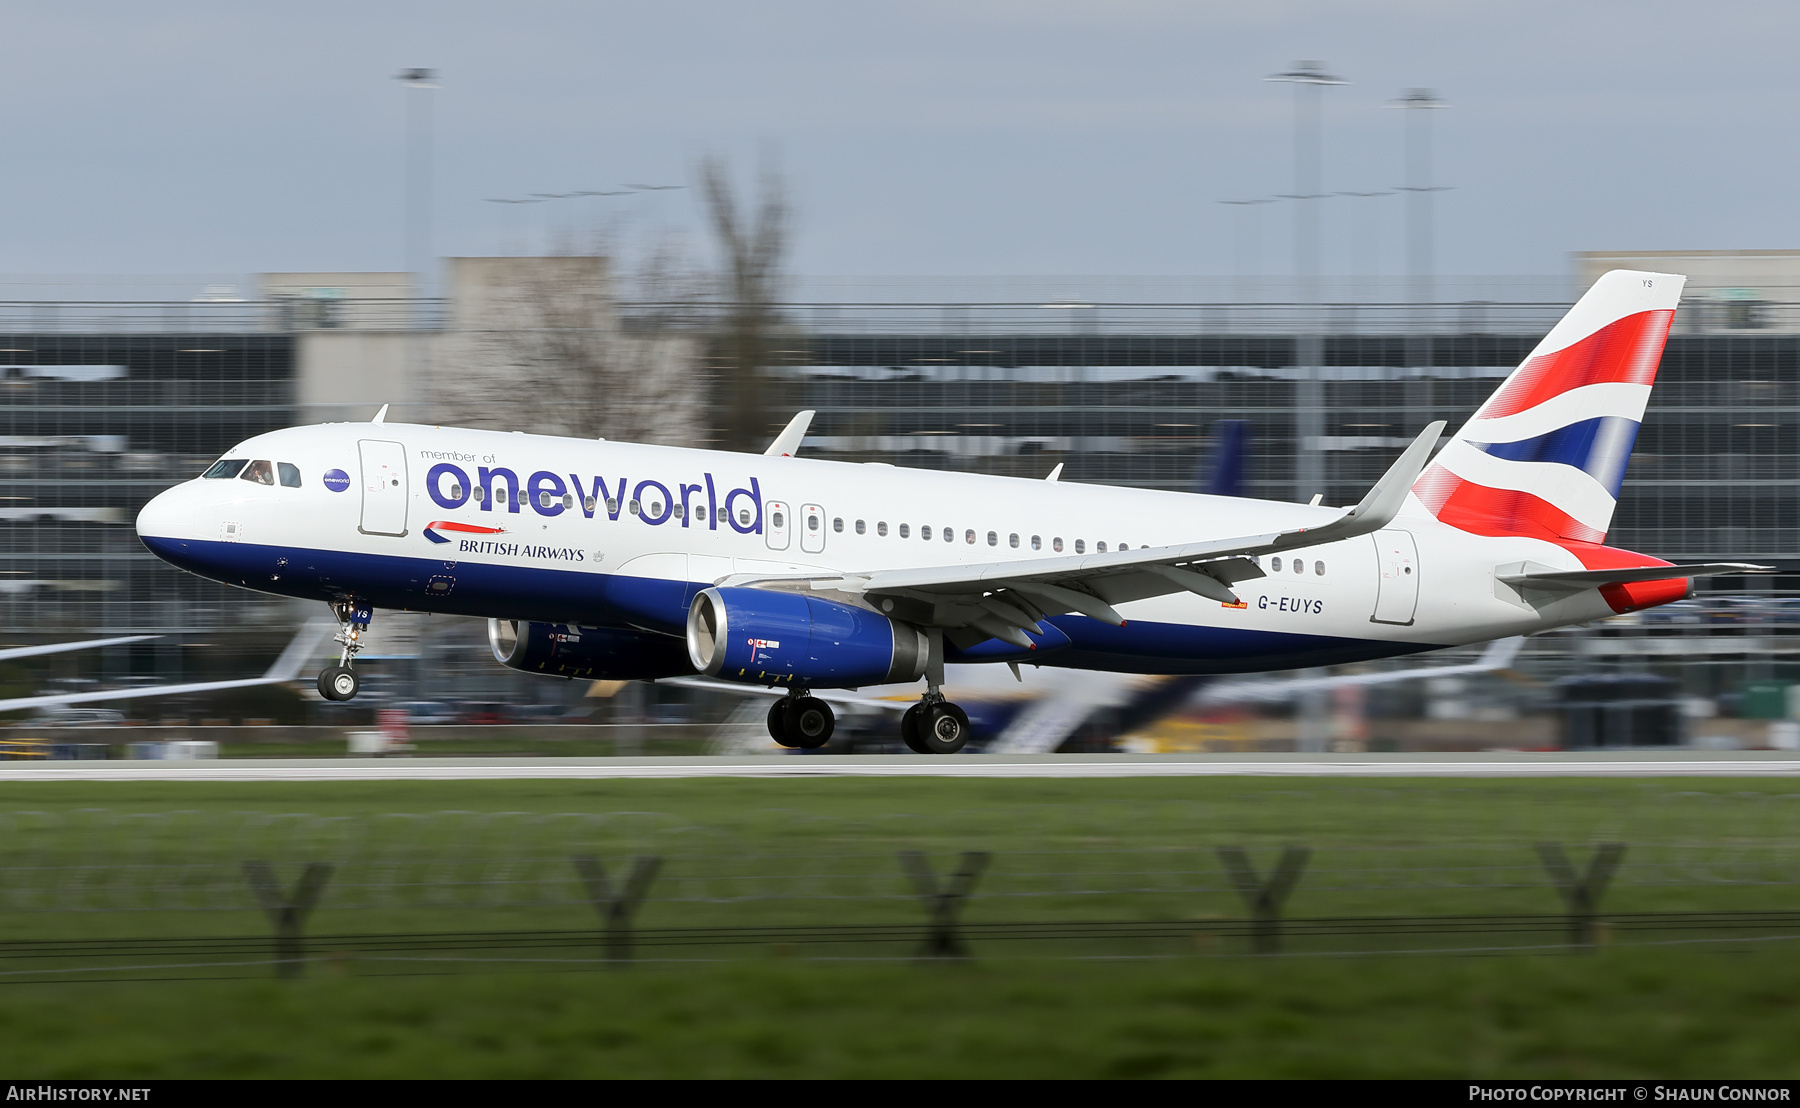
(962, 137)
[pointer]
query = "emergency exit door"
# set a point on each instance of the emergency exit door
(1397, 592)
(812, 528)
(384, 487)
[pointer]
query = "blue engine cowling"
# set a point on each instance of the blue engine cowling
(763, 637)
(590, 653)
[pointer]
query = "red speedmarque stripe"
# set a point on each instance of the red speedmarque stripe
(1481, 510)
(465, 528)
(1626, 350)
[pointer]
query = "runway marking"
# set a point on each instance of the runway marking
(1634, 764)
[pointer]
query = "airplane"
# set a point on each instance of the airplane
(285, 669)
(616, 561)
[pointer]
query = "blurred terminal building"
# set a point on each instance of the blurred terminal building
(117, 388)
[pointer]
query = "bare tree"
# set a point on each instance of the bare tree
(540, 347)
(753, 246)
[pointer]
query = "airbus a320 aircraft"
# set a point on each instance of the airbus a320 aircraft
(604, 560)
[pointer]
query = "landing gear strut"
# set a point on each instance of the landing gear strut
(802, 721)
(340, 682)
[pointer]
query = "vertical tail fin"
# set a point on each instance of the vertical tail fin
(1224, 472)
(1545, 455)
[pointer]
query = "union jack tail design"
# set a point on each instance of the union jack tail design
(1545, 455)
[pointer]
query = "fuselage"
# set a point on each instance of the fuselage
(595, 533)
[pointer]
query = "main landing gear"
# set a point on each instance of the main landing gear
(934, 725)
(340, 682)
(801, 721)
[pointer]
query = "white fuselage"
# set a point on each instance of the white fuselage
(414, 517)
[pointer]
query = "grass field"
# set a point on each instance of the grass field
(823, 851)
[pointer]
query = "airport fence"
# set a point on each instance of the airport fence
(98, 893)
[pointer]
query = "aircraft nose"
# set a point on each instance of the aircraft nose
(160, 518)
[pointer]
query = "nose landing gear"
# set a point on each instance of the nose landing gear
(340, 682)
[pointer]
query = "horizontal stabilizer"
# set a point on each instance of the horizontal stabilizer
(1579, 579)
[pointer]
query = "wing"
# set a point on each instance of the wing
(286, 668)
(1005, 600)
(11, 652)
(787, 444)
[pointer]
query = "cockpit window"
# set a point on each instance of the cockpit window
(290, 474)
(263, 473)
(225, 467)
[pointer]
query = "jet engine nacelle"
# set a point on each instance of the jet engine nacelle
(763, 637)
(596, 653)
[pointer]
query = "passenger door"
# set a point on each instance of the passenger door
(1397, 591)
(384, 487)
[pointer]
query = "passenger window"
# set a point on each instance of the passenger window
(1056, 544)
(1100, 548)
(724, 516)
(568, 501)
(744, 517)
(1081, 546)
(263, 473)
(290, 476)
(1012, 541)
(500, 496)
(587, 504)
(904, 528)
(994, 540)
(1275, 565)
(1124, 546)
(1037, 543)
(881, 528)
(949, 534)
(1299, 565)
(859, 527)
(225, 467)
(635, 509)
(777, 521)
(837, 524)
(481, 495)
(924, 530)
(612, 506)
(680, 510)
(1319, 568)
(812, 523)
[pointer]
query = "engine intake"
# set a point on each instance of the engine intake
(762, 637)
(593, 653)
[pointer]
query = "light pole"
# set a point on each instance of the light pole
(1419, 102)
(420, 83)
(1307, 78)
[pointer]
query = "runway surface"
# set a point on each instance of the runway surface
(1560, 764)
